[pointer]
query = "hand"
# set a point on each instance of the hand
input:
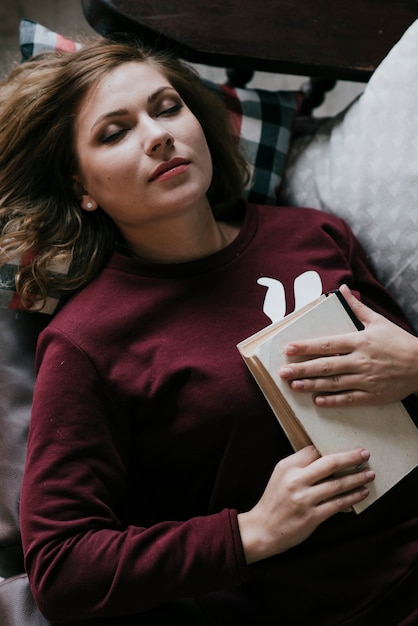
(302, 492)
(378, 365)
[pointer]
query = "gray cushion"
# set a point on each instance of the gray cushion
(362, 166)
(17, 607)
(18, 335)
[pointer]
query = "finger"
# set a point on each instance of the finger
(344, 502)
(334, 464)
(302, 458)
(360, 310)
(346, 398)
(339, 485)
(346, 388)
(330, 385)
(323, 346)
(319, 367)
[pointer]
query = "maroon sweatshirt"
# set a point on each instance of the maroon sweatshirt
(148, 435)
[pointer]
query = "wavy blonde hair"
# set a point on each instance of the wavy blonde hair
(42, 224)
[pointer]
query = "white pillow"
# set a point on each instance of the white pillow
(363, 166)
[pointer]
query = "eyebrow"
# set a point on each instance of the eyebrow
(122, 112)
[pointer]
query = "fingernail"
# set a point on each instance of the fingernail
(286, 372)
(298, 384)
(290, 349)
(370, 475)
(365, 454)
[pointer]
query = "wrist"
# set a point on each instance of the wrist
(253, 537)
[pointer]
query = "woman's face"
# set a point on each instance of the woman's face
(142, 155)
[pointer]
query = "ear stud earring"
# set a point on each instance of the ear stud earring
(89, 205)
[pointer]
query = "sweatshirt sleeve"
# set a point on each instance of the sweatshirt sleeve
(82, 560)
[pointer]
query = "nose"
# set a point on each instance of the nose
(158, 138)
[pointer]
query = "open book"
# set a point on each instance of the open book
(387, 431)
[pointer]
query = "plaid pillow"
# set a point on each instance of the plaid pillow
(35, 38)
(261, 119)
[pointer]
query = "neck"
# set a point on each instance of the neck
(182, 240)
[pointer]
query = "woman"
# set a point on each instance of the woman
(159, 488)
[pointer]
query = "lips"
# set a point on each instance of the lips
(169, 168)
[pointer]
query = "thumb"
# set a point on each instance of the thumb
(363, 313)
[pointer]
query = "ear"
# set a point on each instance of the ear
(87, 203)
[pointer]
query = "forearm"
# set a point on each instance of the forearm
(99, 535)
(104, 573)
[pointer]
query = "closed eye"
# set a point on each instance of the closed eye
(171, 110)
(114, 136)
